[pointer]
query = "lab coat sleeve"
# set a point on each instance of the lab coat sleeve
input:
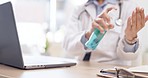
(72, 40)
(122, 54)
(130, 48)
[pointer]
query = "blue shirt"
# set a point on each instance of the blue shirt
(99, 9)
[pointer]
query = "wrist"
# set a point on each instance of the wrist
(130, 38)
(131, 41)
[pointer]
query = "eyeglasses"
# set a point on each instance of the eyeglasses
(119, 73)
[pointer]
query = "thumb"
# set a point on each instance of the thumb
(146, 18)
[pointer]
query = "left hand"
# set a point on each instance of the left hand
(135, 23)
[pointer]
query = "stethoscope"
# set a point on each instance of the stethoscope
(118, 21)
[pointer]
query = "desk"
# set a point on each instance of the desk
(81, 70)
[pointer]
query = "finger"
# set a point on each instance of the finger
(129, 24)
(146, 18)
(138, 19)
(96, 25)
(106, 17)
(134, 22)
(102, 23)
(142, 17)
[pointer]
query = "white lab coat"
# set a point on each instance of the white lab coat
(110, 49)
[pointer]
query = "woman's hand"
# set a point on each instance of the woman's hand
(135, 23)
(102, 22)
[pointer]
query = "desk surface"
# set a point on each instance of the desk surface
(81, 70)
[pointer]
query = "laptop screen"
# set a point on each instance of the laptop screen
(9, 42)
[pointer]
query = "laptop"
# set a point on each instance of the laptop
(10, 49)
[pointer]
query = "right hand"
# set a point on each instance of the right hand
(102, 23)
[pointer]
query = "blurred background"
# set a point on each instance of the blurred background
(41, 25)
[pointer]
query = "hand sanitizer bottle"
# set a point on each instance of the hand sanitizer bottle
(97, 36)
(94, 39)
